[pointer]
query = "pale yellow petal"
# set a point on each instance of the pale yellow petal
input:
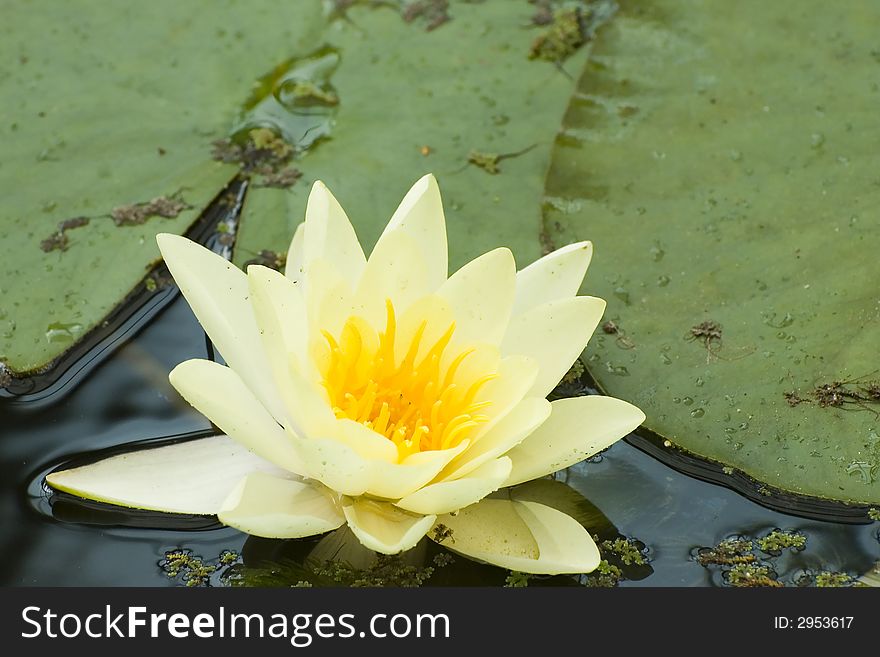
(335, 465)
(522, 420)
(396, 271)
(272, 507)
(555, 334)
(219, 393)
(432, 316)
(396, 480)
(481, 296)
(448, 496)
(329, 299)
(557, 275)
(368, 444)
(516, 376)
(293, 266)
(420, 214)
(188, 477)
(218, 294)
(564, 545)
(577, 429)
(330, 236)
(522, 536)
(384, 528)
(280, 313)
(490, 530)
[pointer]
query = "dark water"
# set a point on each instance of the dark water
(46, 541)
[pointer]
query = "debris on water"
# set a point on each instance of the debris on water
(433, 13)
(707, 332)
(59, 240)
(489, 161)
(442, 532)
(135, 214)
(728, 552)
(283, 179)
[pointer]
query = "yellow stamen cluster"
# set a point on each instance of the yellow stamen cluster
(417, 405)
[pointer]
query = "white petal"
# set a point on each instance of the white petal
(273, 507)
(293, 266)
(577, 429)
(219, 393)
(449, 496)
(555, 334)
(522, 420)
(523, 536)
(481, 296)
(397, 271)
(329, 235)
(280, 312)
(383, 528)
(557, 275)
(188, 477)
(218, 294)
(420, 214)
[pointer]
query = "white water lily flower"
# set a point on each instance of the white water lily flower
(381, 393)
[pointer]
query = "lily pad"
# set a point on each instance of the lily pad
(725, 169)
(415, 102)
(113, 123)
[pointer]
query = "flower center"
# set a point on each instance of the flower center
(418, 405)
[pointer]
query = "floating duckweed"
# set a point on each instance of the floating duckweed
(626, 550)
(574, 373)
(228, 557)
(778, 540)
(191, 570)
(606, 575)
(517, 580)
(874, 514)
(750, 575)
(833, 580)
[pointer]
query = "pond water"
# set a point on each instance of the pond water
(53, 540)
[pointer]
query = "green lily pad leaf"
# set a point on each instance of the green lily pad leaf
(107, 124)
(730, 188)
(411, 102)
